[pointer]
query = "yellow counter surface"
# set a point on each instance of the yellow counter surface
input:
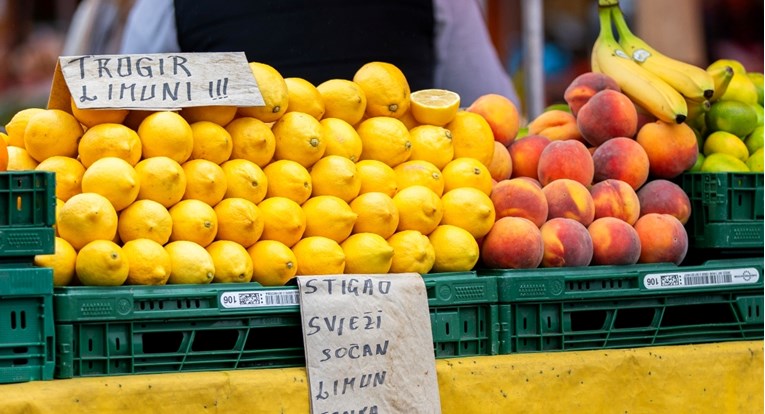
(711, 378)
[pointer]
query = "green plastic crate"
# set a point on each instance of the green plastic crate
(726, 210)
(599, 307)
(27, 215)
(157, 329)
(27, 330)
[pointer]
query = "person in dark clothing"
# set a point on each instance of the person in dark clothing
(436, 43)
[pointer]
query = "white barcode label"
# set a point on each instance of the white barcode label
(256, 299)
(749, 275)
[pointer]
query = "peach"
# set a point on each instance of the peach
(567, 243)
(570, 199)
(623, 159)
(501, 165)
(501, 114)
(584, 86)
(615, 198)
(663, 239)
(512, 243)
(607, 114)
(556, 125)
(666, 197)
(671, 148)
(525, 155)
(520, 197)
(565, 159)
(614, 242)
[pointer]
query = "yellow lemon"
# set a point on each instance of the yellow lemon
(343, 99)
(318, 255)
(342, 139)
(113, 178)
(304, 97)
(69, 173)
(722, 162)
(736, 65)
(337, 176)
(232, 262)
(148, 262)
(755, 161)
(735, 117)
(190, 263)
(86, 217)
(467, 172)
(205, 181)
(419, 208)
(470, 209)
(166, 134)
(384, 139)
(367, 253)
(273, 263)
(52, 132)
(412, 252)
(19, 160)
(375, 213)
(431, 143)
(434, 106)
(328, 216)
(145, 219)
(18, 124)
(419, 172)
(195, 221)
(456, 249)
(287, 178)
(726, 143)
(162, 180)
(376, 176)
(239, 220)
(62, 261)
(273, 88)
(93, 117)
(385, 87)
(472, 137)
(101, 263)
(212, 142)
(109, 140)
(218, 114)
(300, 138)
(283, 220)
(245, 179)
(252, 139)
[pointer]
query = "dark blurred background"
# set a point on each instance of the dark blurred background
(33, 33)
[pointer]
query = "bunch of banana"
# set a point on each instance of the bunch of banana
(642, 86)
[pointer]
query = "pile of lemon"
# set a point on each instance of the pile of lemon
(349, 176)
(730, 133)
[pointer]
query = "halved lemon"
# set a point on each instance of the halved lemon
(434, 106)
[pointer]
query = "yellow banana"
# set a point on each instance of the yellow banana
(691, 81)
(641, 86)
(721, 76)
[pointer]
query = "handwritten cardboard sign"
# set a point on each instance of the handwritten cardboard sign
(368, 344)
(154, 81)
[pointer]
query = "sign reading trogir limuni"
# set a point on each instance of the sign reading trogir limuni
(368, 344)
(159, 81)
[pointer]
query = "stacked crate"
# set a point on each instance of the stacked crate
(27, 216)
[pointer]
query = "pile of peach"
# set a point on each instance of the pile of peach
(592, 186)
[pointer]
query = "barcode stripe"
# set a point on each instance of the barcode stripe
(707, 278)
